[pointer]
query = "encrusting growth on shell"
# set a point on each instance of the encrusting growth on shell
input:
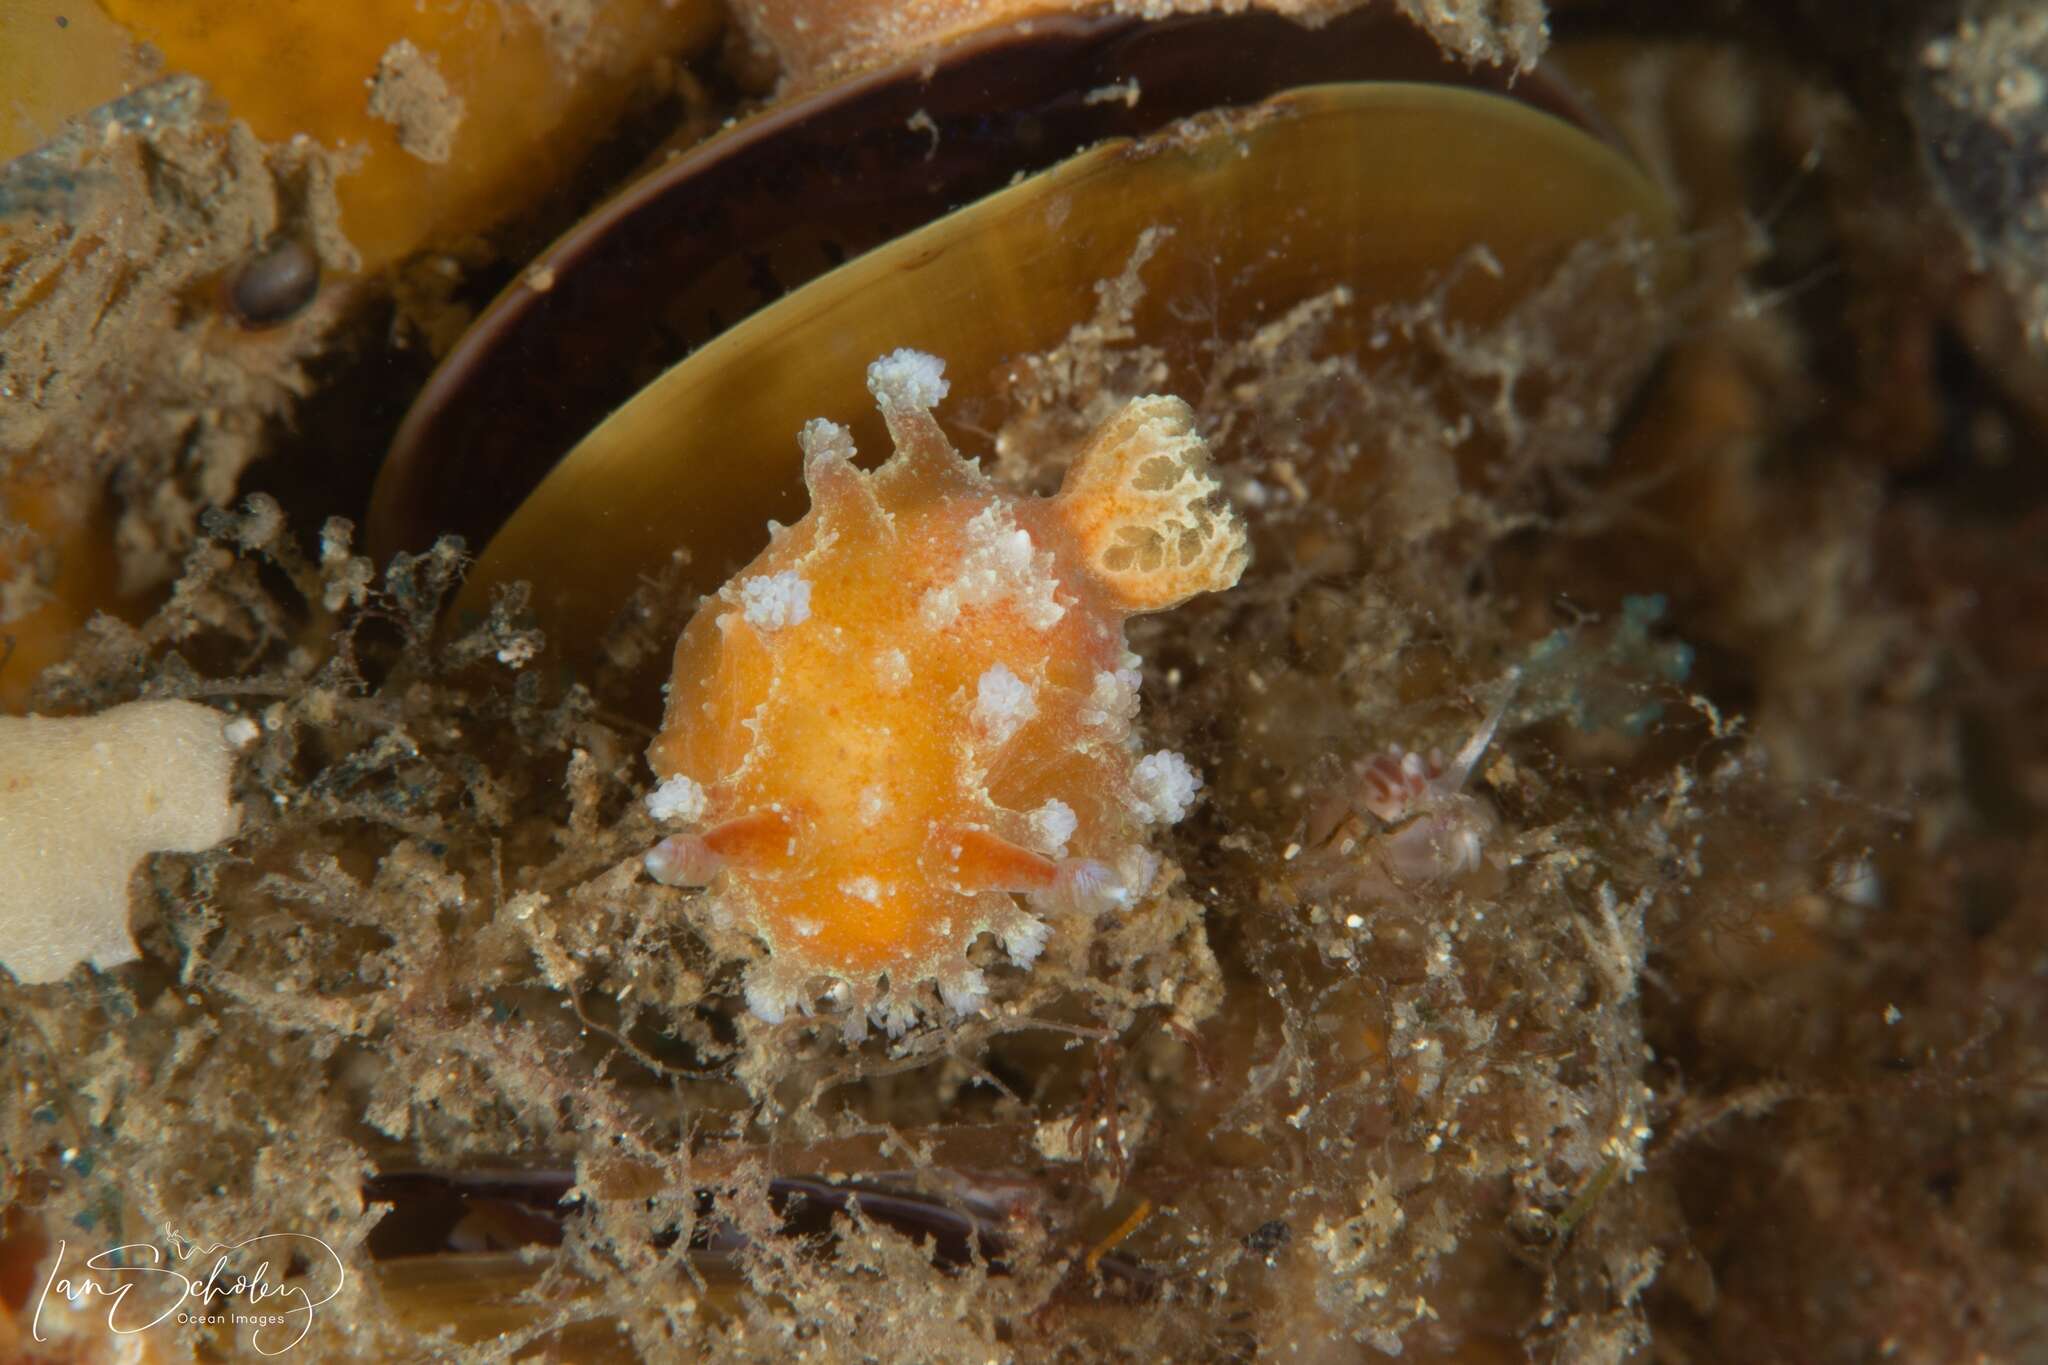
(916, 706)
(814, 41)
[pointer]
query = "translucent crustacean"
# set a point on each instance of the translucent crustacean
(1431, 829)
(917, 704)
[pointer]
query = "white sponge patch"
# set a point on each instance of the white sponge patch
(1165, 785)
(776, 600)
(1002, 704)
(81, 802)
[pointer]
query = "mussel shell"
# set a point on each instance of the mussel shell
(476, 1293)
(773, 202)
(477, 1298)
(1381, 187)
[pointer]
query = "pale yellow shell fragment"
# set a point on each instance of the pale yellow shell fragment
(81, 802)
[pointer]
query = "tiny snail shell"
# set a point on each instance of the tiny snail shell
(275, 284)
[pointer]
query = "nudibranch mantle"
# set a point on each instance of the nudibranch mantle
(916, 706)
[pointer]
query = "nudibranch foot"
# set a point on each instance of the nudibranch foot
(909, 722)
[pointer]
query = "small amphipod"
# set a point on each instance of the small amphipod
(916, 705)
(1430, 830)
(1435, 830)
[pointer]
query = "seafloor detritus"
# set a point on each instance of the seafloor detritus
(1432, 830)
(444, 120)
(916, 704)
(187, 234)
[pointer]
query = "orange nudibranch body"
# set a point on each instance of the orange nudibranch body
(916, 705)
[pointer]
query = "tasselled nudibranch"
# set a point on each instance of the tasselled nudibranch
(910, 721)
